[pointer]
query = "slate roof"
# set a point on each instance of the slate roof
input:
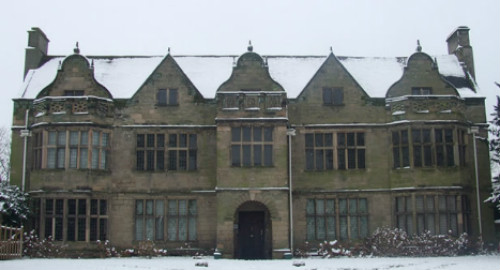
(123, 75)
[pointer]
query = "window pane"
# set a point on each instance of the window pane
(350, 139)
(192, 160)
(95, 138)
(343, 206)
(95, 158)
(161, 97)
(320, 207)
(395, 138)
(160, 160)
(149, 228)
(83, 158)
(246, 155)
(361, 158)
(247, 134)
(172, 160)
(103, 163)
(84, 138)
(311, 227)
(360, 139)
(160, 140)
(81, 229)
(236, 134)
(60, 157)
(257, 155)
(140, 140)
(353, 206)
(172, 97)
(52, 138)
(338, 96)
(310, 207)
(103, 207)
(192, 229)
(351, 158)
(268, 134)
(343, 228)
(417, 156)
(330, 228)
(73, 155)
(406, 157)
(309, 140)
(268, 155)
(257, 134)
(73, 138)
(182, 140)
(150, 140)
(341, 139)
(341, 159)
(319, 160)
(328, 139)
(182, 160)
(320, 228)
(329, 159)
(354, 227)
(61, 138)
(318, 139)
(172, 140)
(71, 229)
(193, 141)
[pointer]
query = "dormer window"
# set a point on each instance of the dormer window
(421, 91)
(333, 96)
(167, 97)
(73, 93)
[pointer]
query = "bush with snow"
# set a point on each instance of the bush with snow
(390, 242)
(13, 205)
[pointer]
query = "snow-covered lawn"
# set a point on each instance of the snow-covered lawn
(485, 262)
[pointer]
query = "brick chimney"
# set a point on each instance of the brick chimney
(459, 45)
(36, 52)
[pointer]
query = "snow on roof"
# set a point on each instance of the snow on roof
(123, 76)
(207, 73)
(375, 75)
(294, 73)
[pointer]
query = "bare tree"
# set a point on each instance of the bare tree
(4, 154)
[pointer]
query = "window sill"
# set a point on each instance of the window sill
(333, 105)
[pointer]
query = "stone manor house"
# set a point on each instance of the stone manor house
(252, 155)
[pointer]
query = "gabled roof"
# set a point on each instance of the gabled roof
(123, 75)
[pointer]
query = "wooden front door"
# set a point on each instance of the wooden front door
(251, 230)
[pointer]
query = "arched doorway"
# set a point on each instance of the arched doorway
(252, 234)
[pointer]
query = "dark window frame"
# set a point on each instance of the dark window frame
(333, 96)
(167, 97)
(252, 146)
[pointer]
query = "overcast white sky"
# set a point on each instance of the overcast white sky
(351, 27)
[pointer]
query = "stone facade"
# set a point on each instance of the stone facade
(165, 162)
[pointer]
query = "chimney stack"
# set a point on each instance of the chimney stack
(36, 52)
(459, 45)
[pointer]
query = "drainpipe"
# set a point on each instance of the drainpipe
(290, 132)
(474, 131)
(25, 133)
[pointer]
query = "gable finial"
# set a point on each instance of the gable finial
(331, 49)
(250, 47)
(76, 50)
(92, 64)
(168, 50)
(419, 47)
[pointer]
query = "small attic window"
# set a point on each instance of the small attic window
(333, 96)
(421, 91)
(73, 93)
(167, 97)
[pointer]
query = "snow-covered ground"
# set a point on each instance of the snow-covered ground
(485, 262)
